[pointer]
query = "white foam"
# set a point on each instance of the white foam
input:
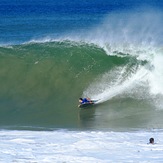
(77, 147)
(104, 90)
(156, 76)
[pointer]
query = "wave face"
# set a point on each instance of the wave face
(40, 85)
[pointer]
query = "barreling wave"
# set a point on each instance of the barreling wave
(54, 65)
(41, 82)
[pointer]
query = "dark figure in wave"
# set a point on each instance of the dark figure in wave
(151, 141)
(83, 101)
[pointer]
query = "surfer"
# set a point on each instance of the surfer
(85, 100)
(151, 141)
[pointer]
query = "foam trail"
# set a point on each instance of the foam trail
(156, 76)
(118, 88)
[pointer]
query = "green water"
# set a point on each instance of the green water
(40, 85)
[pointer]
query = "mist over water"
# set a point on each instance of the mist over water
(133, 28)
(135, 34)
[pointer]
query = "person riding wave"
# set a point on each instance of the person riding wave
(85, 100)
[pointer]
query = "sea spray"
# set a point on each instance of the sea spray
(135, 34)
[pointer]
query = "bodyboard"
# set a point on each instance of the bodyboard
(87, 104)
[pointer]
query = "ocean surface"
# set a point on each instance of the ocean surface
(53, 52)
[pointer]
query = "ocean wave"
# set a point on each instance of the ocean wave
(41, 82)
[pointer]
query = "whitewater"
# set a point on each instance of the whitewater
(75, 147)
(131, 35)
